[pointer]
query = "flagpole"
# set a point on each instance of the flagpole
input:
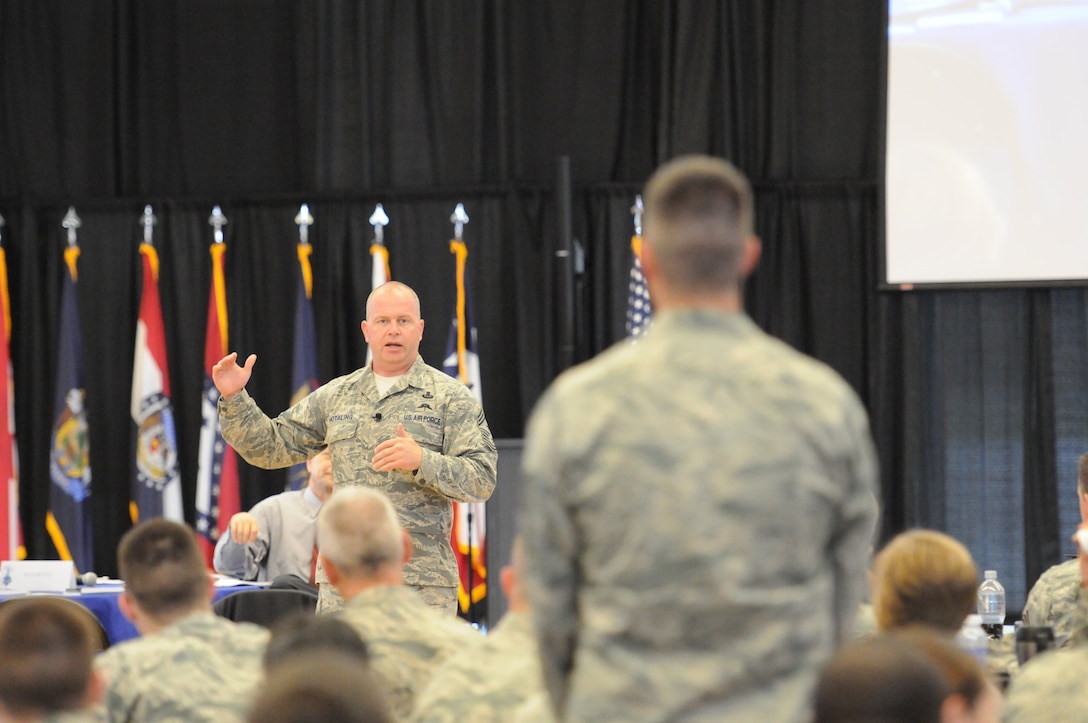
(459, 219)
(304, 220)
(148, 221)
(639, 305)
(380, 272)
(218, 493)
(72, 478)
(564, 267)
(379, 257)
(303, 357)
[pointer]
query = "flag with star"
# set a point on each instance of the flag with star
(639, 309)
(217, 494)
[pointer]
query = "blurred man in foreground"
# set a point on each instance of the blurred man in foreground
(699, 504)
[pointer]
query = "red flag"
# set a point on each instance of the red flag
(217, 496)
(11, 547)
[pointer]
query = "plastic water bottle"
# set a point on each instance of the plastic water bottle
(991, 605)
(973, 638)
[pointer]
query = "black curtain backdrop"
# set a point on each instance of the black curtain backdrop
(107, 105)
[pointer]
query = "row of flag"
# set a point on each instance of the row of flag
(156, 485)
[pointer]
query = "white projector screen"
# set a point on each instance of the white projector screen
(987, 156)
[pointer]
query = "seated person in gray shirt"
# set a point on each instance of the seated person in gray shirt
(276, 537)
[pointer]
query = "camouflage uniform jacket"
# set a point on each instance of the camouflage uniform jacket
(487, 682)
(200, 668)
(347, 415)
(408, 640)
(1050, 687)
(1053, 601)
(697, 514)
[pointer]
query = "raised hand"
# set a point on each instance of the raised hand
(230, 378)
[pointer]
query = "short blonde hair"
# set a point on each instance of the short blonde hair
(924, 577)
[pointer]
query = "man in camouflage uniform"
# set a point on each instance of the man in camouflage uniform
(1050, 687)
(490, 681)
(189, 664)
(397, 425)
(363, 550)
(1053, 598)
(699, 505)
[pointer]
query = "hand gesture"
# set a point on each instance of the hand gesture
(400, 452)
(230, 378)
(244, 528)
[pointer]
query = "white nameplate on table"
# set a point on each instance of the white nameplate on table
(36, 576)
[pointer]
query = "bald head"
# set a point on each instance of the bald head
(393, 328)
(393, 290)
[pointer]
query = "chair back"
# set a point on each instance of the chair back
(264, 607)
(93, 624)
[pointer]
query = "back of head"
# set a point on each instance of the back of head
(316, 687)
(961, 671)
(924, 577)
(46, 656)
(698, 215)
(879, 680)
(162, 567)
(358, 531)
(305, 633)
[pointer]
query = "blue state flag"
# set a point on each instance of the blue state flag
(304, 365)
(69, 519)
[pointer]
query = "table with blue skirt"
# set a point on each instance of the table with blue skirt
(102, 600)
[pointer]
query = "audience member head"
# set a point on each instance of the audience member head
(321, 686)
(512, 578)
(698, 240)
(303, 633)
(46, 659)
(972, 697)
(362, 543)
(924, 577)
(320, 479)
(164, 574)
(879, 680)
